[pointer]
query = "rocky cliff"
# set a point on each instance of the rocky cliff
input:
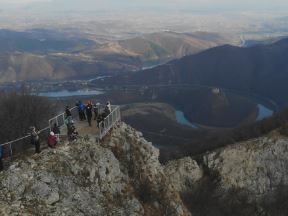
(122, 176)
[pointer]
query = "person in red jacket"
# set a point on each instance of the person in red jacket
(52, 140)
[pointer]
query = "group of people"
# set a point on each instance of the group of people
(86, 111)
(53, 137)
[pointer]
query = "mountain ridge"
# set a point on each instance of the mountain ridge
(258, 70)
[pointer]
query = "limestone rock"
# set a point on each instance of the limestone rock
(80, 179)
(139, 160)
(258, 166)
(123, 176)
(183, 174)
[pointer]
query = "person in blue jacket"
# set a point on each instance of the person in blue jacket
(81, 110)
(1, 157)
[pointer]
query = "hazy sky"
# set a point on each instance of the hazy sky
(145, 4)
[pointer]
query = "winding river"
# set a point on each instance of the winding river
(263, 112)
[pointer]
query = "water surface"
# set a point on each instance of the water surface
(182, 119)
(263, 112)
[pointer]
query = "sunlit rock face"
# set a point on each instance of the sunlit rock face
(258, 166)
(122, 175)
(119, 176)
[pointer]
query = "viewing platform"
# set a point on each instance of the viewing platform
(98, 131)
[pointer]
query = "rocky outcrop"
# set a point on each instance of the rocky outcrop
(122, 176)
(258, 166)
(139, 160)
(183, 174)
(80, 179)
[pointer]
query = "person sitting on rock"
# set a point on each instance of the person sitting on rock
(52, 140)
(56, 131)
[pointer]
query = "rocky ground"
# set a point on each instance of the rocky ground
(122, 176)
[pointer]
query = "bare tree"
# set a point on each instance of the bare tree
(19, 111)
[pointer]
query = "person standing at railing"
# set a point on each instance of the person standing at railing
(1, 157)
(67, 111)
(107, 109)
(35, 140)
(81, 110)
(96, 110)
(68, 121)
(89, 112)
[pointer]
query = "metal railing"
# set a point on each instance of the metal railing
(108, 122)
(21, 144)
(24, 143)
(60, 119)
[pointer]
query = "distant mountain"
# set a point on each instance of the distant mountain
(17, 66)
(49, 54)
(40, 41)
(260, 70)
(161, 46)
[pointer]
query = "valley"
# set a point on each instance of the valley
(41, 54)
(182, 89)
(198, 122)
(171, 117)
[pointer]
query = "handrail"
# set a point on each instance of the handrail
(108, 122)
(104, 126)
(40, 131)
(55, 118)
(21, 138)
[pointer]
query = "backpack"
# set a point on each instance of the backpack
(68, 120)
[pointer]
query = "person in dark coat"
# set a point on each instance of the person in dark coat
(1, 157)
(81, 110)
(89, 112)
(56, 129)
(67, 111)
(35, 140)
(107, 109)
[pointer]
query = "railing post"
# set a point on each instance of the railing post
(113, 116)
(11, 150)
(63, 119)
